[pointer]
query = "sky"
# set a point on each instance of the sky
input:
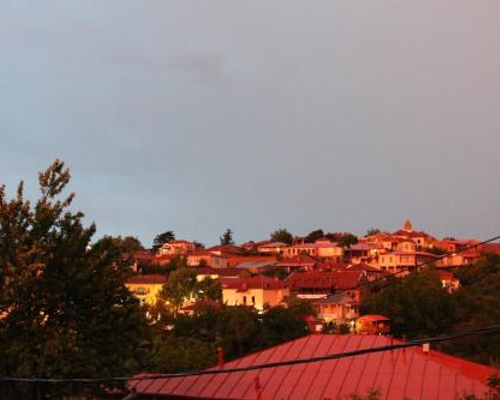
(201, 115)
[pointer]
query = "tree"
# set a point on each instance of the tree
(314, 235)
(179, 354)
(372, 231)
(161, 239)
(282, 235)
(208, 288)
(227, 238)
(179, 287)
(66, 311)
(417, 306)
(281, 324)
(343, 238)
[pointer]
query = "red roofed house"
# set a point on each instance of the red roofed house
(319, 284)
(259, 292)
(146, 287)
(205, 258)
(404, 262)
(177, 248)
(420, 238)
(301, 262)
(321, 249)
(339, 308)
(410, 373)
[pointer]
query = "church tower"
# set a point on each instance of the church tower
(408, 227)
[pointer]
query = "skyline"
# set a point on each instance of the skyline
(196, 118)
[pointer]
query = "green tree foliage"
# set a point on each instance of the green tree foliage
(179, 287)
(66, 311)
(178, 354)
(417, 305)
(227, 238)
(282, 235)
(208, 288)
(161, 239)
(314, 235)
(342, 238)
(280, 324)
(372, 231)
(477, 304)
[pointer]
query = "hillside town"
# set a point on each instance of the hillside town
(332, 278)
(328, 274)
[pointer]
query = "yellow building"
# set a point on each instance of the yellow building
(258, 292)
(146, 287)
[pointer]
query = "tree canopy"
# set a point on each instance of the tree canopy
(227, 238)
(66, 311)
(161, 239)
(282, 235)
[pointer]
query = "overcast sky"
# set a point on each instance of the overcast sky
(195, 116)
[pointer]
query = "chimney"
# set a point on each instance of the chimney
(426, 348)
(220, 356)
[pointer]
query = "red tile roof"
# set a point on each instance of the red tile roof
(324, 280)
(257, 282)
(151, 279)
(398, 374)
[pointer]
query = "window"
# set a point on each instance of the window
(245, 300)
(253, 299)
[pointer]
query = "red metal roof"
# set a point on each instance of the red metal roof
(404, 373)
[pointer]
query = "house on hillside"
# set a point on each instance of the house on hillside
(339, 308)
(177, 248)
(258, 292)
(205, 258)
(404, 262)
(323, 249)
(318, 284)
(146, 287)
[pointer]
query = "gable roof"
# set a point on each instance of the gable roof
(402, 373)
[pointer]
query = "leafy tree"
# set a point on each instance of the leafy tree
(342, 238)
(478, 304)
(417, 305)
(372, 231)
(208, 288)
(237, 330)
(180, 354)
(179, 287)
(66, 311)
(282, 235)
(276, 272)
(131, 244)
(227, 238)
(161, 239)
(280, 324)
(314, 235)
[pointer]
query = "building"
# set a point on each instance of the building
(177, 248)
(339, 308)
(146, 287)
(321, 249)
(258, 292)
(205, 258)
(319, 284)
(372, 324)
(409, 373)
(271, 247)
(398, 261)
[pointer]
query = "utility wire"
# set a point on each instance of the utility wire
(216, 371)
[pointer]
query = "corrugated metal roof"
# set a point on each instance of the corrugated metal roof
(404, 373)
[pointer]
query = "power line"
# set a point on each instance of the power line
(413, 343)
